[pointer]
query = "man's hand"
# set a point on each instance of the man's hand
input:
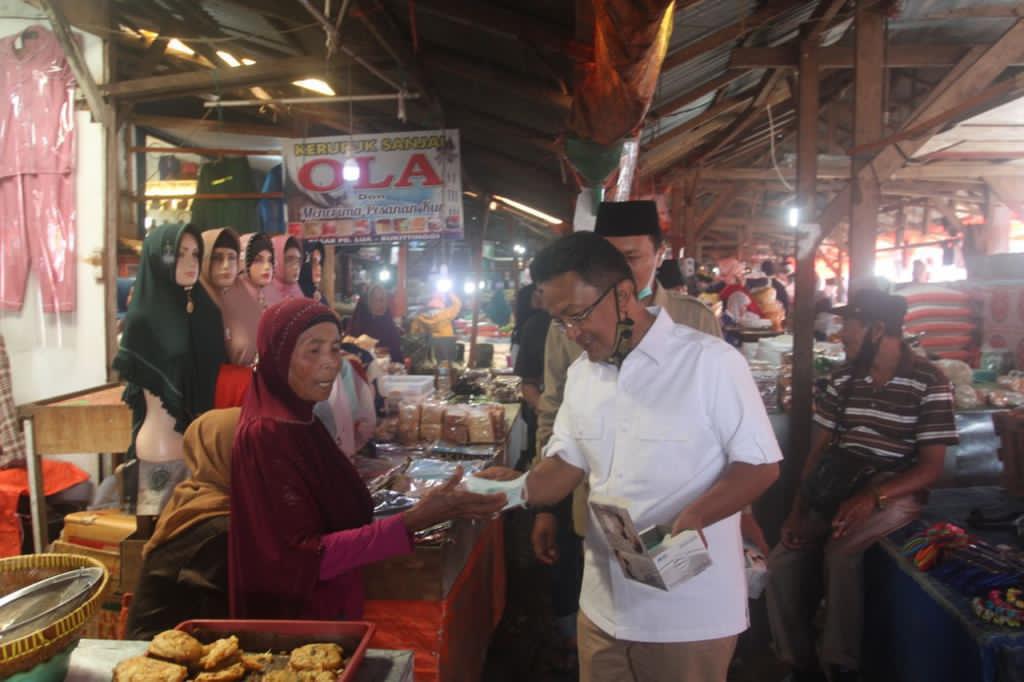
(499, 474)
(688, 520)
(851, 511)
(545, 529)
(796, 530)
(751, 531)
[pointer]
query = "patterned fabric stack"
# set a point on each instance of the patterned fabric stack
(944, 319)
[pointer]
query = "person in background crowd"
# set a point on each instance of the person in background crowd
(921, 274)
(632, 227)
(778, 283)
(529, 363)
(372, 317)
(618, 426)
(442, 309)
(735, 298)
(302, 521)
(893, 412)
(498, 309)
(527, 305)
(670, 277)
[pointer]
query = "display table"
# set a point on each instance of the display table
(917, 628)
(94, 661)
(93, 420)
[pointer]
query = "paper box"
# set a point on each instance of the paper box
(101, 529)
(653, 556)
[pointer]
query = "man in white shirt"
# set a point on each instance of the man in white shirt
(669, 419)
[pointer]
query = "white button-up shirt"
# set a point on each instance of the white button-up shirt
(659, 432)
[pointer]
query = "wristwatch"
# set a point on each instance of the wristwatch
(881, 501)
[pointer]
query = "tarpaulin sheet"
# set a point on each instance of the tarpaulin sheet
(630, 41)
(450, 637)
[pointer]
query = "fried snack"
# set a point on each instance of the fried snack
(316, 657)
(143, 669)
(318, 676)
(220, 652)
(256, 663)
(232, 673)
(177, 646)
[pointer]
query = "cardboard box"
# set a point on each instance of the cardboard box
(653, 556)
(131, 564)
(102, 529)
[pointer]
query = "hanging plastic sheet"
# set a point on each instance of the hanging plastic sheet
(37, 188)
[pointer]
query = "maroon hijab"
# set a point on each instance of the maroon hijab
(290, 485)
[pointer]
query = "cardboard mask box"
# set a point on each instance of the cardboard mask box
(653, 556)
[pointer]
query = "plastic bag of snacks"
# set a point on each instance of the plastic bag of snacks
(456, 425)
(432, 420)
(409, 424)
(965, 397)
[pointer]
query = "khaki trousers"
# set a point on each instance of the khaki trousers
(799, 578)
(606, 659)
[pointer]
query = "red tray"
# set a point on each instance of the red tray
(283, 635)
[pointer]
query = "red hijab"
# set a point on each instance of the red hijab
(290, 485)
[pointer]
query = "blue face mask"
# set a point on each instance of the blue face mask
(644, 293)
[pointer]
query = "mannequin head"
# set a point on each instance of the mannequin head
(259, 260)
(316, 260)
(292, 262)
(224, 260)
(186, 269)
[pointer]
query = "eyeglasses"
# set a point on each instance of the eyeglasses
(576, 320)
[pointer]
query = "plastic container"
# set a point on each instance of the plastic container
(408, 388)
(279, 636)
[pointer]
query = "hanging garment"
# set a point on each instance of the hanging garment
(37, 200)
(12, 443)
(272, 210)
(230, 175)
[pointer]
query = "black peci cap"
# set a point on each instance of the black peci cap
(628, 219)
(872, 305)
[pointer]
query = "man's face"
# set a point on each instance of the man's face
(854, 333)
(567, 295)
(641, 255)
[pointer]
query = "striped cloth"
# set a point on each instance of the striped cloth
(12, 443)
(914, 408)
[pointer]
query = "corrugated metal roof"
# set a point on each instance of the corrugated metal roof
(705, 18)
(692, 74)
(667, 123)
(784, 27)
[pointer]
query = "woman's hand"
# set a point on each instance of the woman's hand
(447, 502)
(795, 531)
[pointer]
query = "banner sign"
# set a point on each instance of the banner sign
(409, 186)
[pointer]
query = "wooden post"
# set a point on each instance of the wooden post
(869, 74)
(803, 320)
(328, 280)
(478, 257)
(400, 302)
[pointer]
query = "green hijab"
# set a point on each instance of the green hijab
(163, 349)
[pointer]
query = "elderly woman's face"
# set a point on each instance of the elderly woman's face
(315, 362)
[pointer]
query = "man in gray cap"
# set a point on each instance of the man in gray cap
(633, 228)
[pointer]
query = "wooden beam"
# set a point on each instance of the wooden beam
(803, 306)
(981, 11)
(491, 19)
(766, 96)
(214, 80)
(180, 124)
(691, 96)
(737, 29)
(497, 78)
(1009, 192)
(708, 216)
(667, 155)
(76, 60)
(727, 106)
(948, 212)
(843, 57)
(971, 76)
(869, 39)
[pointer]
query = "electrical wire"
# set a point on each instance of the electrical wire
(771, 140)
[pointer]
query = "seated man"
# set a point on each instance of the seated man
(886, 419)
(668, 418)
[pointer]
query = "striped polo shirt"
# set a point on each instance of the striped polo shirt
(913, 408)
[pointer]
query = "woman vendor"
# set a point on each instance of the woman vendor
(301, 519)
(373, 318)
(185, 569)
(735, 297)
(442, 309)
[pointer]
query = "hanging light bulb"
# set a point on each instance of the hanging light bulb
(350, 171)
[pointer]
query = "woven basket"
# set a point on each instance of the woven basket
(29, 651)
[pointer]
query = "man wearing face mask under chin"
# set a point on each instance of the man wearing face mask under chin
(669, 419)
(634, 230)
